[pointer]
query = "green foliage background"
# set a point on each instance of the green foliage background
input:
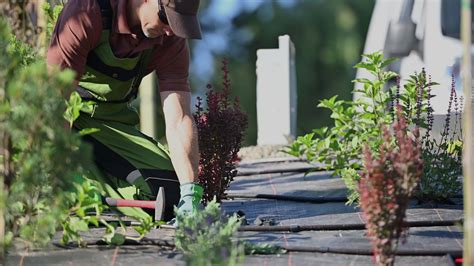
(328, 37)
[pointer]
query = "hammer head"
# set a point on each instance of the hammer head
(160, 205)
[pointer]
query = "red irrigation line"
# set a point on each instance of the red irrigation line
(23, 257)
(112, 263)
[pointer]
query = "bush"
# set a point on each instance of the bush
(45, 157)
(359, 122)
(386, 186)
(206, 237)
(221, 128)
(443, 156)
(43, 161)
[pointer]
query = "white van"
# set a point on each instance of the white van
(422, 33)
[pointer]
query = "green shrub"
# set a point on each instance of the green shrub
(45, 156)
(359, 122)
(206, 237)
(45, 188)
(386, 186)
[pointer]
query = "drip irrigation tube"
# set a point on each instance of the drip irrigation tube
(319, 199)
(276, 170)
(288, 198)
(455, 253)
(334, 227)
(367, 251)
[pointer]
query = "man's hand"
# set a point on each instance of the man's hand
(190, 202)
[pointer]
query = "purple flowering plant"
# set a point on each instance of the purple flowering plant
(442, 154)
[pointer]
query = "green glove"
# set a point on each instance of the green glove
(191, 195)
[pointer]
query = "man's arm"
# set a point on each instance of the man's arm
(181, 134)
(76, 32)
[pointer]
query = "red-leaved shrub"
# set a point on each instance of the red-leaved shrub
(220, 127)
(386, 187)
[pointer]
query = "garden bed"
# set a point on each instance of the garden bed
(284, 223)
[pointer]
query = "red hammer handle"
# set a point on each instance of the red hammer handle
(147, 204)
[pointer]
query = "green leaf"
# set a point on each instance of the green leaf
(365, 65)
(363, 81)
(320, 132)
(117, 239)
(77, 224)
(355, 142)
(80, 212)
(388, 62)
(88, 131)
(93, 220)
(328, 103)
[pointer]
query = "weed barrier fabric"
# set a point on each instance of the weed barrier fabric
(246, 169)
(319, 184)
(334, 227)
(306, 258)
(316, 185)
(424, 241)
(287, 198)
(287, 213)
(155, 255)
(99, 255)
(424, 246)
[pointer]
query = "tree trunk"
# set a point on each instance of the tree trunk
(6, 177)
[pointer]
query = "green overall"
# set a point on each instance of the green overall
(123, 153)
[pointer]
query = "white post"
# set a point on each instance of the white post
(468, 157)
(276, 93)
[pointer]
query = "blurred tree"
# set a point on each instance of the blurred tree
(28, 21)
(328, 35)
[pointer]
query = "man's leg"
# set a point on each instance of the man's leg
(121, 174)
(132, 161)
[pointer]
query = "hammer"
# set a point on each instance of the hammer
(158, 204)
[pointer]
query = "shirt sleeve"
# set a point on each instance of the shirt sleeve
(172, 65)
(77, 32)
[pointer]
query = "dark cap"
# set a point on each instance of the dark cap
(182, 17)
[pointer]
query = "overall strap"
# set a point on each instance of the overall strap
(133, 91)
(106, 13)
(143, 62)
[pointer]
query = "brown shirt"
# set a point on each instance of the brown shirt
(78, 31)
